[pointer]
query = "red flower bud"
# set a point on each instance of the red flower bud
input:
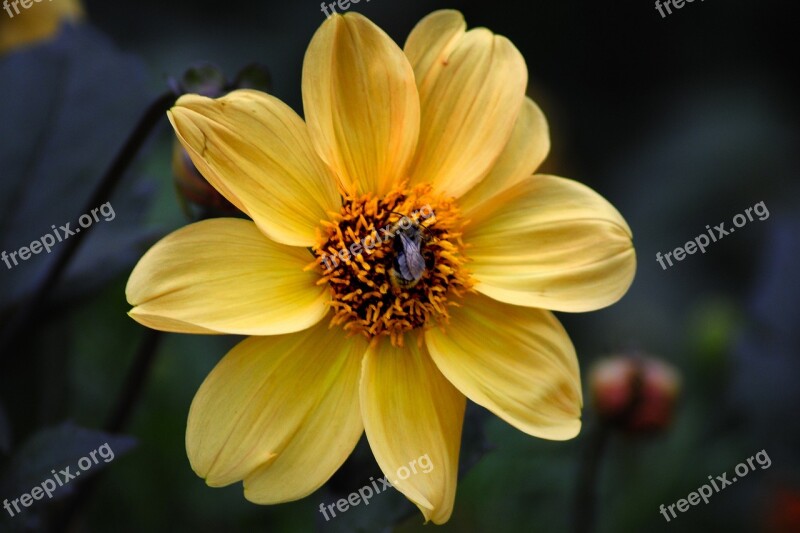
(634, 393)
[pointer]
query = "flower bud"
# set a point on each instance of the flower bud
(634, 393)
(204, 79)
(193, 188)
(209, 80)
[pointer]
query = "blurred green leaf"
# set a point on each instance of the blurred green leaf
(67, 106)
(56, 449)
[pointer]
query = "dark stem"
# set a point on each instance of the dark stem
(143, 360)
(20, 322)
(585, 505)
(134, 382)
(118, 419)
(586, 490)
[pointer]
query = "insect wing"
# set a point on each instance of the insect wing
(414, 262)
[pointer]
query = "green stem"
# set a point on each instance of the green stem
(586, 490)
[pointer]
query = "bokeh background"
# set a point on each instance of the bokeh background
(680, 122)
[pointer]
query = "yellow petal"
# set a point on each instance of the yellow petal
(471, 88)
(517, 362)
(23, 27)
(257, 153)
(432, 40)
(525, 151)
(280, 413)
(361, 103)
(223, 276)
(413, 415)
(553, 243)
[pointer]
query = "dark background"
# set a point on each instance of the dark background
(680, 122)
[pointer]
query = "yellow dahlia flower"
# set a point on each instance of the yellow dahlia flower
(25, 23)
(362, 316)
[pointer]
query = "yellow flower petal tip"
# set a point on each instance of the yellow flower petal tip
(258, 153)
(552, 243)
(188, 283)
(401, 257)
(248, 423)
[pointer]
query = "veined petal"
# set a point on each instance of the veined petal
(471, 88)
(552, 243)
(224, 276)
(517, 362)
(411, 411)
(279, 412)
(433, 39)
(525, 151)
(361, 103)
(257, 153)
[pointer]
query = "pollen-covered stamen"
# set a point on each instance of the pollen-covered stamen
(383, 284)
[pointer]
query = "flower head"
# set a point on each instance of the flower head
(401, 258)
(25, 26)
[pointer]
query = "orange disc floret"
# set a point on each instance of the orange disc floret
(364, 247)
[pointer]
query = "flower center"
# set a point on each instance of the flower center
(393, 264)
